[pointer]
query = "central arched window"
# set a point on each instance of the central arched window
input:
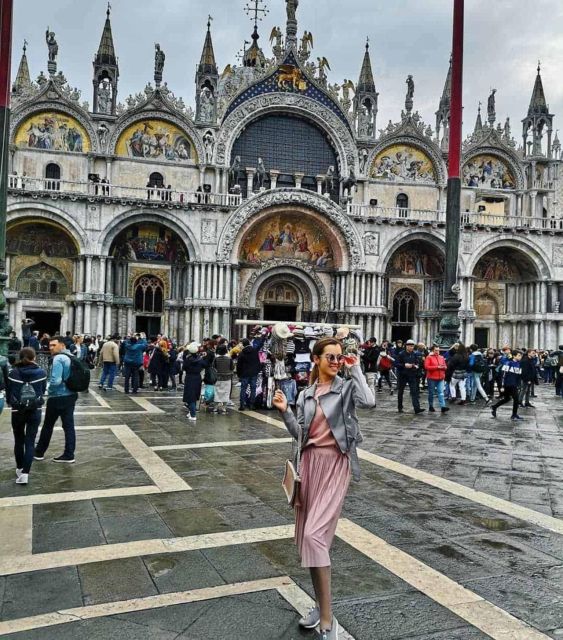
(156, 180)
(149, 295)
(287, 144)
(403, 204)
(53, 177)
(404, 307)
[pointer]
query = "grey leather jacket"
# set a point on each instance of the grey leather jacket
(339, 406)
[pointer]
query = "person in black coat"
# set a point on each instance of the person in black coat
(194, 364)
(409, 368)
(529, 378)
(248, 368)
(158, 366)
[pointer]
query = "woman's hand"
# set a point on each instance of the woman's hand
(280, 401)
(351, 360)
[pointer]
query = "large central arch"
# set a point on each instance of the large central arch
(298, 105)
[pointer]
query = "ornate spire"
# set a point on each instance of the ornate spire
(538, 104)
(479, 121)
(106, 50)
(207, 63)
(23, 79)
(447, 93)
(366, 83)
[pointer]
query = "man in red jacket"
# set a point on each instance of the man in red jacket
(435, 366)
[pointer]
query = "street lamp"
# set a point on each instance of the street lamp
(449, 321)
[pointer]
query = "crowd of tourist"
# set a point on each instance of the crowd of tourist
(270, 359)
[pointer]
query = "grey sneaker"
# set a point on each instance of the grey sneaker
(312, 619)
(332, 634)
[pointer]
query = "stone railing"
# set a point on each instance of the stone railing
(51, 186)
(511, 222)
(396, 213)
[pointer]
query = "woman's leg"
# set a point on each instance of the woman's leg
(18, 427)
(462, 390)
(321, 578)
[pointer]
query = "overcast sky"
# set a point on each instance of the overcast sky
(504, 40)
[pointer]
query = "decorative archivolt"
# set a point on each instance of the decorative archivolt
(506, 158)
(296, 198)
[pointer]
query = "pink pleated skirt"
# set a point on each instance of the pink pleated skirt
(325, 477)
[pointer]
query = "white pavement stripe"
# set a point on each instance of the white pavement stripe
(479, 497)
(229, 443)
(474, 609)
(72, 557)
(74, 496)
(16, 531)
(139, 604)
(165, 478)
(99, 398)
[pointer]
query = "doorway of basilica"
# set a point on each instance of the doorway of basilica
(280, 301)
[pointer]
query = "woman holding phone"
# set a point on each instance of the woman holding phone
(326, 415)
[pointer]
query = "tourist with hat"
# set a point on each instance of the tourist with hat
(409, 368)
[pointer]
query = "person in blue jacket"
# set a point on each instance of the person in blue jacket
(134, 349)
(511, 371)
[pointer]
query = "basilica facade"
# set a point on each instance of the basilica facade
(279, 196)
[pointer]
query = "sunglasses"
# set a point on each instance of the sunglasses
(331, 357)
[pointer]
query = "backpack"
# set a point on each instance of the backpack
(79, 375)
(385, 364)
(27, 400)
(479, 365)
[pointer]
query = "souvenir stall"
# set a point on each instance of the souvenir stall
(285, 354)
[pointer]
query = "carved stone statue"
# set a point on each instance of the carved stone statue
(410, 88)
(348, 184)
(206, 105)
(363, 157)
(306, 43)
(159, 58)
(103, 132)
(104, 96)
(364, 122)
(52, 45)
(235, 172)
(291, 6)
(507, 132)
(491, 107)
(209, 144)
(276, 39)
(329, 180)
(261, 174)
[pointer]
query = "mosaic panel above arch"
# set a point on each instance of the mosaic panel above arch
(416, 258)
(38, 238)
(149, 242)
(155, 140)
(288, 236)
(505, 265)
(403, 163)
(488, 172)
(53, 131)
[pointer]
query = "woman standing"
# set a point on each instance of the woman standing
(326, 414)
(193, 365)
(26, 409)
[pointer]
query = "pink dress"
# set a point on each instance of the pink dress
(325, 477)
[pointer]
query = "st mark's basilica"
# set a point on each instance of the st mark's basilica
(278, 196)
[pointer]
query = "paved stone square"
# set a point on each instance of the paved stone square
(165, 529)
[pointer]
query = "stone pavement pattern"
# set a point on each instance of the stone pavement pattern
(164, 529)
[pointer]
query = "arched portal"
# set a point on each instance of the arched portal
(414, 281)
(148, 296)
(505, 285)
(41, 259)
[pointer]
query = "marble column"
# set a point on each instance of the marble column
(250, 172)
(88, 285)
(79, 318)
(536, 336)
(221, 292)
(196, 325)
(196, 281)
(108, 328)
(274, 175)
(80, 283)
(206, 322)
(298, 179)
(129, 326)
(100, 319)
(226, 329)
